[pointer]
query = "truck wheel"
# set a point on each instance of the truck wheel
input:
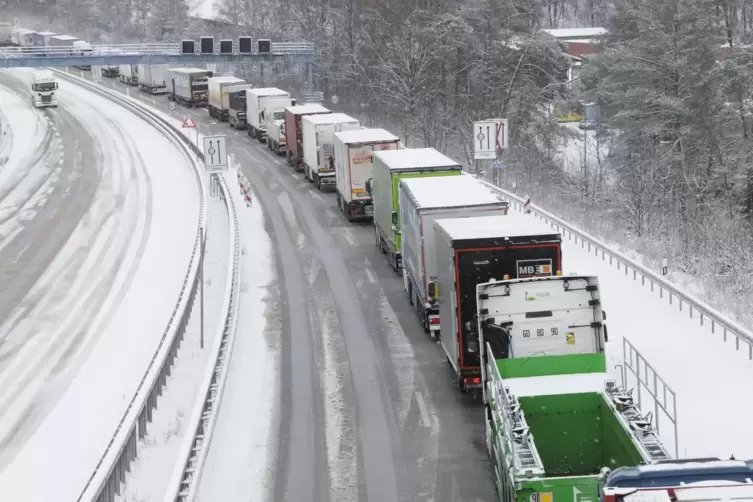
(290, 159)
(318, 182)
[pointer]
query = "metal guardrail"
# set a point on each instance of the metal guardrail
(705, 313)
(193, 453)
(109, 474)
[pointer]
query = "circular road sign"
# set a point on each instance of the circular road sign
(211, 151)
(335, 99)
(480, 136)
(171, 107)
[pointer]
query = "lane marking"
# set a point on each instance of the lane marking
(425, 419)
(317, 196)
(350, 238)
(369, 275)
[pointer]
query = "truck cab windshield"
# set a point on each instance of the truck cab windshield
(45, 86)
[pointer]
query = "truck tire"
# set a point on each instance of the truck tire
(317, 182)
(290, 159)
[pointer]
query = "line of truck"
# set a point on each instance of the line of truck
(488, 285)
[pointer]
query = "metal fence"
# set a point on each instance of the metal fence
(648, 384)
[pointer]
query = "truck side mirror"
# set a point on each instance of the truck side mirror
(433, 288)
(368, 186)
(394, 218)
(56, 85)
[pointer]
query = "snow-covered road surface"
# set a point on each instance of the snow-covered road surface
(81, 339)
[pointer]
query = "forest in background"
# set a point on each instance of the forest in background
(677, 181)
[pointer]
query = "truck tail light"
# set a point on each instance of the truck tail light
(434, 320)
(559, 273)
(472, 380)
(506, 277)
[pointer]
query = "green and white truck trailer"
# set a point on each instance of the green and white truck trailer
(555, 421)
(387, 169)
(423, 201)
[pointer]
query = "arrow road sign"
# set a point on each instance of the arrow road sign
(215, 153)
(484, 139)
(502, 133)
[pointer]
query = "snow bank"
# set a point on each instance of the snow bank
(245, 432)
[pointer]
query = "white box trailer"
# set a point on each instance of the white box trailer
(22, 37)
(219, 99)
(152, 78)
(319, 145)
(63, 45)
(274, 120)
(422, 202)
(255, 105)
(353, 151)
(82, 48)
(129, 74)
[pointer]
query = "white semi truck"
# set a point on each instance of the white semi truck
(319, 145)
(353, 151)
(43, 87)
(256, 104)
(274, 115)
(152, 78)
(219, 98)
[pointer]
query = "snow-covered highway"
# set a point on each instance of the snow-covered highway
(98, 218)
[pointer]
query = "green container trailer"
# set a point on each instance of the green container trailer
(388, 168)
(554, 418)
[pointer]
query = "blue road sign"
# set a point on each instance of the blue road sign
(496, 165)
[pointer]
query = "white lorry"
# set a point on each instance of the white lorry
(63, 45)
(219, 98)
(152, 78)
(129, 74)
(319, 145)
(274, 116)
(43, 87)
(353, 151)
(255, 104)
(422, 201)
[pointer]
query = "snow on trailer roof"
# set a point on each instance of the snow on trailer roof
(365, 136)
(188, 70)
(329, 118)
(514, 224)
(449, 191)
(415, 158)
(65, 37)
(46, 33)
(227, 78)
(307, 108)
(269, 91)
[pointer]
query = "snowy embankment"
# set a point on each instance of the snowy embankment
(238, 461)
(202, 8)
(134, 247)
(158, 451)
(577, 145)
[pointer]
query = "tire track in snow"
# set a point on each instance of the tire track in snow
(83, 287)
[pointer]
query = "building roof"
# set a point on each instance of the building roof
(574, 33)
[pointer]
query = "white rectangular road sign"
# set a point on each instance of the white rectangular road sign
(485, 140)
(502, 133)
(215, 153)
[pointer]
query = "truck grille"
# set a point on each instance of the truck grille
(46, 100)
